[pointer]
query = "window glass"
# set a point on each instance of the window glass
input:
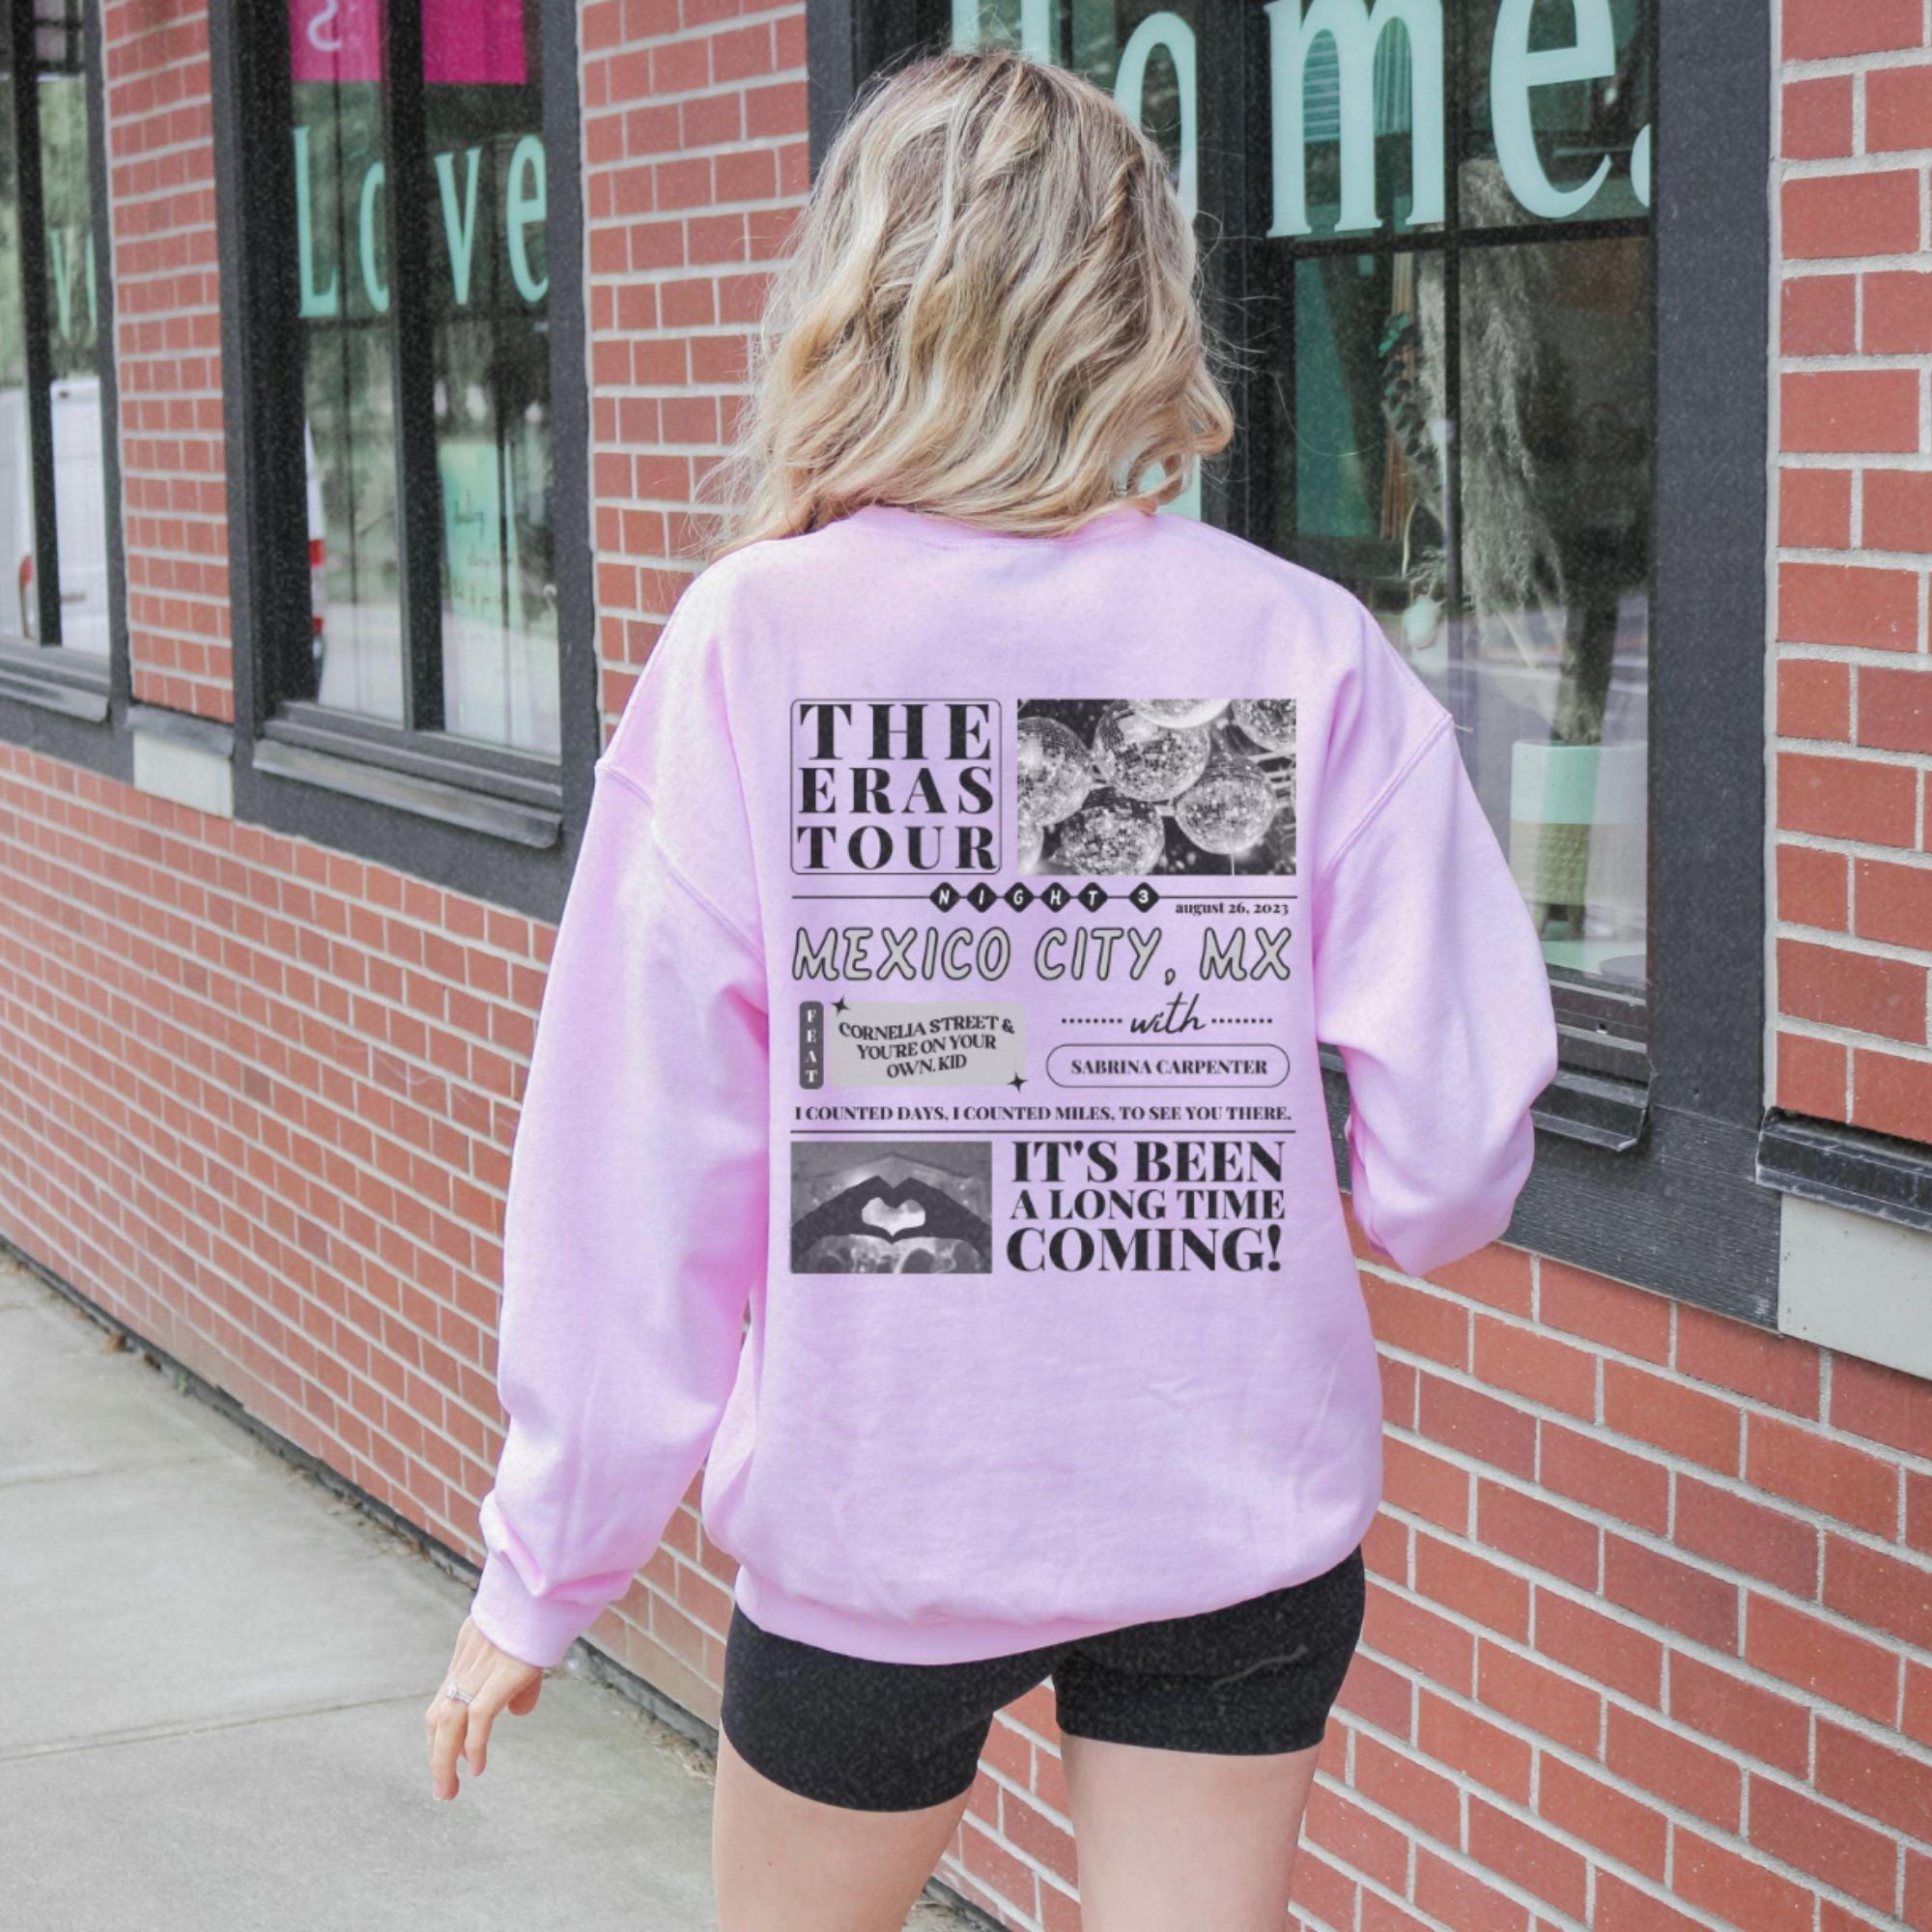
(1463, 434)
(50, 411)
(17, 613)
(73, 335)
(342, 261)
(493, 419)
(480, 190)
(1448, 320)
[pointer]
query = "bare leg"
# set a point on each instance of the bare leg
(784, 1863)
(1191, 1838)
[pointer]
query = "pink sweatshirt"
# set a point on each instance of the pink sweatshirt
(926, 1131)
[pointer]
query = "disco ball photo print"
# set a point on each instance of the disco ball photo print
(1141, 786)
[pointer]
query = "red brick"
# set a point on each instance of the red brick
(1539, 1533)
(1866, 411)
(1609, 1313)
(1466, 1584)
(1356, 1837)
(1539, 1699)
(1425, 1485)
(1740, 1891)
(1833, 215)
(1815, 699)
(1796, 1829)
(1682, 1773)
(1897, 317)
(1621, 1906)
(1897, 512)
(1812, 1077)
(1379, 1916)
(1817, 121)
(1845, 798)
(1379, 1696)
(1888, 1593)
(1499, 1276)
(1539, 1863)
(1472, 1747)
(1895, 710)
(1416, 1322)
(1827, 29)
(1813, 888)
(1882, 1405)
(1815, 510)
(1736, 1712)
(1898, 110)
(1819, 315)
(1605, 1648)
(1537, 1367)
(1395, 1782)
(1848, 603)
(1461, 1902)
(1891, 1095)
(1824, 1475)
(1812, 1655)
(1894, 903)
(1870, 1778)
(1632, 1488)
(1742, 1534)
(1319, 1888)
(1856, 990)
(1478, 1425)
(1412, 1634)
(1630, 1831)
(1700, 1428)
(1677, 1595)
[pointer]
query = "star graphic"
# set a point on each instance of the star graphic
(1016, 1082)
(839, 1005)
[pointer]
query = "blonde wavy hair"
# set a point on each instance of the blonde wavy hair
(991, 314)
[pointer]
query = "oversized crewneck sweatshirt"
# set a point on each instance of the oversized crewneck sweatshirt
(926, 1131)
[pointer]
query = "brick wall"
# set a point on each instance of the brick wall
(1649, 1645)
(695, 149)
(1649, 1642)
(167, 352)
(1854, 697)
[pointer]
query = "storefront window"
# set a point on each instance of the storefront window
(53, 505)
(1437, 232)
(449, 393)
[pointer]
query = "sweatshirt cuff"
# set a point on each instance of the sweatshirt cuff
(522, 1626)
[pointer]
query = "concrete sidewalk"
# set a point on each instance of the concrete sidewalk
(212, 1680)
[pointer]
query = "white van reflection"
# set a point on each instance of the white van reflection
(80, 507)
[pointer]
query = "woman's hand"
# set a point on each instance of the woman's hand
(495, 1682)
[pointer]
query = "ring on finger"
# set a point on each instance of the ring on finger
(455, 1691)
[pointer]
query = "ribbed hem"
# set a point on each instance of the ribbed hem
(886, 1641)
(520, 1625)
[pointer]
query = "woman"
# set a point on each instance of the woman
(939, 993)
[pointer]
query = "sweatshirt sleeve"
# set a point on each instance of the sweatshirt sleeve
(1429, 982)
(635, 1226)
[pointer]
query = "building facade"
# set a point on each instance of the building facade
(358, 366)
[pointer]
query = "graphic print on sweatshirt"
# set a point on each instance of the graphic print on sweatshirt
(1035, 947)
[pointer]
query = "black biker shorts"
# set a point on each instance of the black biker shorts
(1255, 1677)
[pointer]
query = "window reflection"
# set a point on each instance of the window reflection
(482, 190)
(74, 338)
(45, 136)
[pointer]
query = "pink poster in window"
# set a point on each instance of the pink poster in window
(335, 39)
(473, 43)
(478, 41)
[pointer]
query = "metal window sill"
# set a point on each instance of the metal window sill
(76, 686)
(1576, 1105)
(1846, 1167)
(536, 827)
